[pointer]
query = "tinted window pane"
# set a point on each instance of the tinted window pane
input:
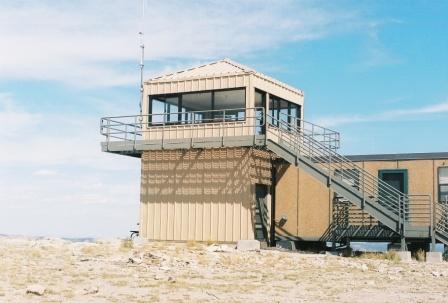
(284, 112)
(443, 184)
(259, 99)
(197, 101)
(443, 175)
(233, 102)
(230, 99)
(443, 193)
(172, 109)
(157, 111)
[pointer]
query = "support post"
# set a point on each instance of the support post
(401, 219)
(432, 228)
(329, 169)
(273, 185)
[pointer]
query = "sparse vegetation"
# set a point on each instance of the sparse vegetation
(127, 244)
(389, 255)
(176, 272)
(420, 255)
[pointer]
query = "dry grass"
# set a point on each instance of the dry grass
(389, 255)
(126, 244)
(180, 272)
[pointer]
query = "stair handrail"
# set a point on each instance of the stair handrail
(330, 137)
(441, 217)
(318, 152)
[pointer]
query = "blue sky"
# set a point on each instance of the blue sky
(377, 71)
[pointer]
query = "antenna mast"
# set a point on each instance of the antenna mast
(142, 57)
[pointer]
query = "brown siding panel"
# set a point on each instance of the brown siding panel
(201, 195)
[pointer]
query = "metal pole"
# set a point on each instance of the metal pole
(108, 133)
(329, 169)
(142, 57)
(403, 223)
(135, 130)
(433, 236)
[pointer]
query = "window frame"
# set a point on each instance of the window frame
(381, 173)
(179, 95)
(439, 185)
(276, 105)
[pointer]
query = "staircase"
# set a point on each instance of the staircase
(441, 222)
(287, 138)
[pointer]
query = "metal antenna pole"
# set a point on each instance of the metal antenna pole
(142, 57)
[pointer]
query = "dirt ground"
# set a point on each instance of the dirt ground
(54, 270)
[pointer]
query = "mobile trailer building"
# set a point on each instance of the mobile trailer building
(226, 155)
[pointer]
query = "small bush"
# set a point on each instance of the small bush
(420, 255)
(389, 255)
(127, 244)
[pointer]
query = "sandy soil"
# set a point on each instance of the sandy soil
(53, 270)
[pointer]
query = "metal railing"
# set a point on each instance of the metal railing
(322, 134)
(441, 219)
(182, 125)
(339, 167)
(195, 124)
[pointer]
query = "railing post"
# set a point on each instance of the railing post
(329, 168)
(363, 191)
(432, 228)
(163, 129)
(126, 132)
(108, 133)
(402, 219)
(135, 128)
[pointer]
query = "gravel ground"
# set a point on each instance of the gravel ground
(54, 270)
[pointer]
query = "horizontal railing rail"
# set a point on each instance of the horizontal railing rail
(322, 134)
(135, 127)
(187, 125)
(441, 218)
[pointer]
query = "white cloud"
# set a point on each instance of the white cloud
(90, 43)
(389, 115)
(14, 118)
(45, 173)
(53, 172)
(376, 52)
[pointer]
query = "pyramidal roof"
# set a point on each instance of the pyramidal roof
(215, 69)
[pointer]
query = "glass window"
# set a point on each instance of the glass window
(283, 112)
(157, 111)
(173, 109)
(200, 103)
(260, 102)
(260, 98)
(230, 99)
(443, 184)
(198, 107)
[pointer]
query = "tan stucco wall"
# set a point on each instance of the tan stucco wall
(422, 174)
(304, 201)
(307, 203)
(201, 195)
